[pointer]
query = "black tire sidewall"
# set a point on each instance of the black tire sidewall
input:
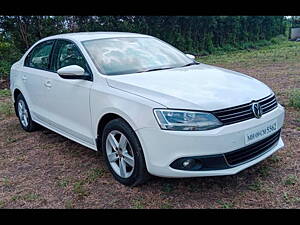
(140, 173)
(31, 125)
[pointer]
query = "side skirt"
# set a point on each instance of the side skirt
(67, 135)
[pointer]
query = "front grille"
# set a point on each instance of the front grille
(244, 112)
(251, 151)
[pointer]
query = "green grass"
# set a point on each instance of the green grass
(225, 205)
(283, 51)
(138, 204)
(63, 183)
(6, 109)
(5, 93)
(26, 197)
(94, 174)
(255, 186)
(274, 159)
(291, 180)
(167, 188)
(69, 204)
(264, 171)
(294, 98)
(30, 197)
(166, 205)
(79, 189)
(6, 182)
(10, 139)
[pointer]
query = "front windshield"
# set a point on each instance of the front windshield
(115, 56)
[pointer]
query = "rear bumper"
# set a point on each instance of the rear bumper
(162, 148)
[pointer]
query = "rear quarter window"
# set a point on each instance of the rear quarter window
(39, 57)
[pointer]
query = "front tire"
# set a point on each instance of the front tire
(123, 153)
(23, 114)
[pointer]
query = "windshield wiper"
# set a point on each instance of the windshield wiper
(190, 64)
(163, 68)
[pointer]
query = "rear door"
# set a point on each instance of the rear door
(35, 70)
(67, 100)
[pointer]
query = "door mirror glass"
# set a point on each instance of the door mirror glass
(71, 72)
(190, 56)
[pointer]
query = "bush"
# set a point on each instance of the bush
(228, 47)
(263, 43)
(278, 39)
(8, 55)
(4, 68)
(294, 98)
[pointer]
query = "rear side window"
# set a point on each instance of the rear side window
(39, 57)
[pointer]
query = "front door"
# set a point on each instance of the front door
(67, 100)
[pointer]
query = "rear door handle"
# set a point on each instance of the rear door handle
(24, 78)
(48, 84)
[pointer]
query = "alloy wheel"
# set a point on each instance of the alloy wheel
(23, 113)
(120, 154)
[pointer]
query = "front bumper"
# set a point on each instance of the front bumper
(162, 148)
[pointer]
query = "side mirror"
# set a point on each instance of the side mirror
(190, 56)
(72, 72)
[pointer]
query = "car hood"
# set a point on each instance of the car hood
(197, 87)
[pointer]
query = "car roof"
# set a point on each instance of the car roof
(83, 36)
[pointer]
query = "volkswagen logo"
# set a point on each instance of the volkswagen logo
(257, 110)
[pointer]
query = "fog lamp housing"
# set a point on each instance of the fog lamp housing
(187, 163)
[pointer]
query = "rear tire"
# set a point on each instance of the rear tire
(24, 115)
(123, 153)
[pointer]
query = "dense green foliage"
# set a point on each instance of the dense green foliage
(199, 35)
(8, 55)
(295, 21)
(189, 33)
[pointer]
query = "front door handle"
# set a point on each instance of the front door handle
(48, 84)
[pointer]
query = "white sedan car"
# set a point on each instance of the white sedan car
(147, 106)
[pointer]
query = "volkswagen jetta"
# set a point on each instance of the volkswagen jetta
(150, 108)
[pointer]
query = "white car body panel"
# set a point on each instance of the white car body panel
(167, 146)
(198, 87)
(67, 106)
(73, 108)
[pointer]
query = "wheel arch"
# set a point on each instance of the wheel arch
(16, 93)
(106, 118)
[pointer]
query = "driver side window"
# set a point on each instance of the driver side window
(67, 54)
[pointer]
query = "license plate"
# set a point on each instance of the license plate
(261, 132)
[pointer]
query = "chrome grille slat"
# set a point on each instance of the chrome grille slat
(267, 99)
(244, 112)
(269, 103)
(269, 106)
(232, 109)
(270, 109)
(238, 116)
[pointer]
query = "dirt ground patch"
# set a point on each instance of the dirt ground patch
(45, 170)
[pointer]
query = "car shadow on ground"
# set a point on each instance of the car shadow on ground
(239, 180)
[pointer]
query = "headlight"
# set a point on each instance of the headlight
(185, 120)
